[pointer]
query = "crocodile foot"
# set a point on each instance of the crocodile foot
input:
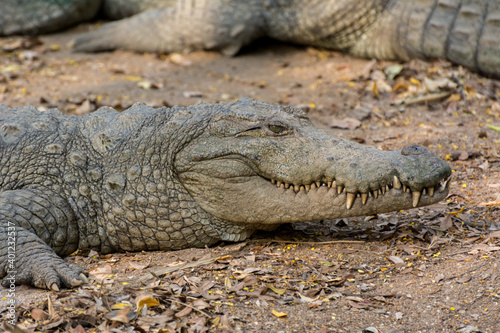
(45, 269)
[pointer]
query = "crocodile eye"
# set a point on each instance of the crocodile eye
(276, 129)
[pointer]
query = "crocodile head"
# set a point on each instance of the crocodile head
(267, 164)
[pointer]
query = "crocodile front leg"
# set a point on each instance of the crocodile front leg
(36, 228)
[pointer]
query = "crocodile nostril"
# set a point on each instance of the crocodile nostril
(414, 150)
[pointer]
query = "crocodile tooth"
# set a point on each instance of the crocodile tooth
(445, 185)
(302, 188)
(287, 185)
(370, 194)
(350, 200)
(404, 188)
(387, 188)
(308, 187)
(375, 194)
(340, 189)
(273, 181)
(396, 183)
(279, 184)
(424, 191)
(382, 189)
(318, 184)
(416, 197)
(329, 184)
(84, 278)
(296, 188)
(431, 191)
(313, 185)
(364, 197)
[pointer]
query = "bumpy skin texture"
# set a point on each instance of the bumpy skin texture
(465, 32)
(164, 179)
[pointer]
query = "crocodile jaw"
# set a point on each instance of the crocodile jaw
(259, 201)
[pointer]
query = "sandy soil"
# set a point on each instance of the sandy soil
(432, 269)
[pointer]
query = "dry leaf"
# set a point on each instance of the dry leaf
(39, 314)
(138, 265)
(122, 316)
(464, 279)
(396, 259)
(276, 290)
(120, 306)
(147, 300)
(278, 314)
(184, 312)
(50, 307)
(102, 272)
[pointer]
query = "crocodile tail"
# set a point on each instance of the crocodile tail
(188, 26)
(465, 32)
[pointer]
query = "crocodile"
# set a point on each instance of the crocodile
(173, 178)
(465, 32)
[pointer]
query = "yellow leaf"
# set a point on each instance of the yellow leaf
(119, 306)
(146, 300)
(495, 128)
(278, 314)
(276, 290)
(132, 78)
(375, 89)
(414, 81)
(453, 98)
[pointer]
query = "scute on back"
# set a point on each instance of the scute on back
(17, 122)
(106, 127)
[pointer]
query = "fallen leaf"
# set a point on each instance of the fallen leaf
(278, 314)
(495, 128)
(77, 329)
(200, 304)
(276, 290)
(307, 299)
(102, 272)
(438, 277)
(122, 316)
(50, 307)
(483, 247)
(138, 265)
(132, 78)
(396, 259)
(147, 300)
(392, 71)
(120, 306)
(39, 314)
(464, 279)
(184, 312)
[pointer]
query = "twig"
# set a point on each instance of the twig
(300, 242)
(371, 295)
(189, 306)
(424, 98)
(171, 269)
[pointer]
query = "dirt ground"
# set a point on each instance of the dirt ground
(433, 269)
